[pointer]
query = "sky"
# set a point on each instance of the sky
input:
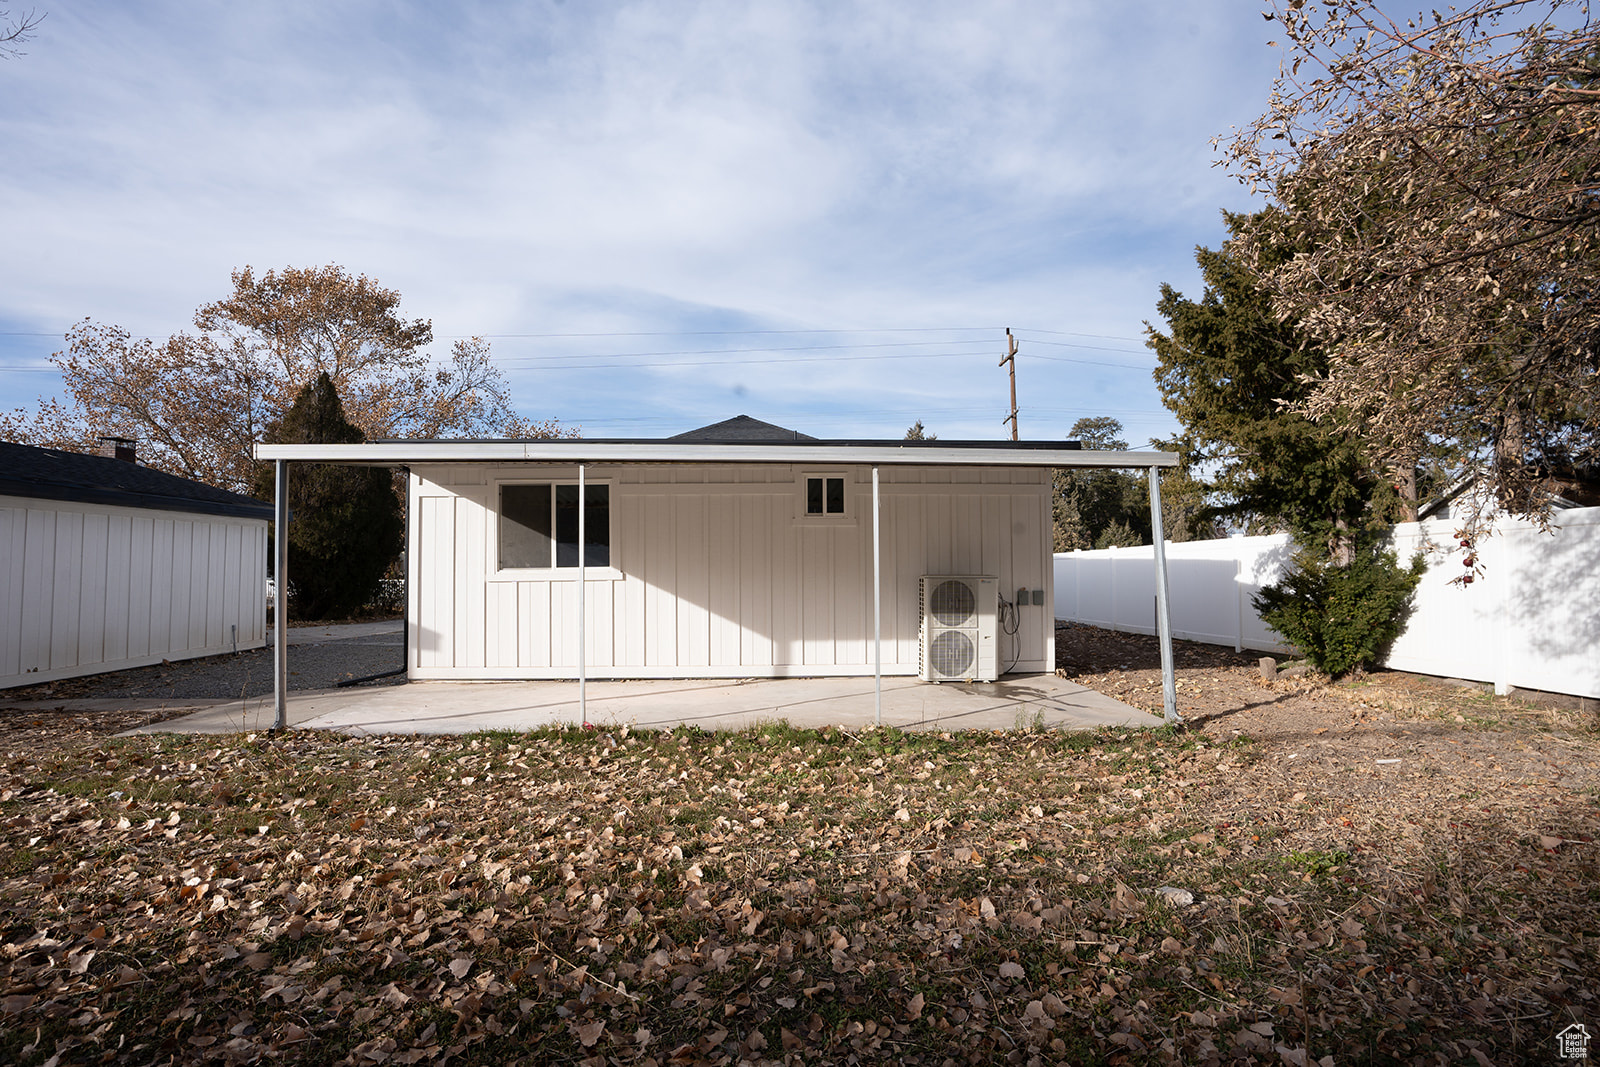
(661, 215)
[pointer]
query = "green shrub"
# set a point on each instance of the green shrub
(1342, 617)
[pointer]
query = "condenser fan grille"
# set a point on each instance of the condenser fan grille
(952, 604)
(952, 653)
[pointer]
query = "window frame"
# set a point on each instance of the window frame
(847, 517)
(553, 572)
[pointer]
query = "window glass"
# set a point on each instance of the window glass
(525, 527)
(824, 495)
(597, 527)
(597, 523)
(813, 496)
(566, 526)
(539, 526)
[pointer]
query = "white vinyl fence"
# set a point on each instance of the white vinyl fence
(1532, 621)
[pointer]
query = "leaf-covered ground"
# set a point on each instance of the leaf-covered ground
(784, 896)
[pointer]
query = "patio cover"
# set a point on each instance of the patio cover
(690, 449)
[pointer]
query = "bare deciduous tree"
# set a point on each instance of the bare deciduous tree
(198, 401)
(1443, 174)
(15, 31)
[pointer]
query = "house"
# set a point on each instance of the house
(1573, 487)
(106, 564)
(739, 549)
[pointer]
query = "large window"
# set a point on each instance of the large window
(539, 526)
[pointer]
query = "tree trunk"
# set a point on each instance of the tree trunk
(1405, 482)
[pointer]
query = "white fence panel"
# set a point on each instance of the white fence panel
(1532, 621)
(1210, 583)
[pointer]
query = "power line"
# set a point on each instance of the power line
(756, 362)
(648, 333)
(537, 362)
(1086, 362)
(588, 358)
(1092, 348)
(839, 412)
(588, 361)
(729, 333)
(1070, 333)
(735, 351)
(708, 333)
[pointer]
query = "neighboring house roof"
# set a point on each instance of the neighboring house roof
(51, 474)
(737, 440)
(1568, 489)
(743, 430)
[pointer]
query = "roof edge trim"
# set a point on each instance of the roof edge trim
(405, 453)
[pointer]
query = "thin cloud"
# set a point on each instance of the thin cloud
(639, 166)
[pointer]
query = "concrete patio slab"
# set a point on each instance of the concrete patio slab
(1040, 700)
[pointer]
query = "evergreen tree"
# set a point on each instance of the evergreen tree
(1235, 375)
(918, 432)
(345, 526)
(1186, 514)
(1231, 371)
(1095, 507)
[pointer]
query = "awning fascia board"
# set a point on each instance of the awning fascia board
(408, 453)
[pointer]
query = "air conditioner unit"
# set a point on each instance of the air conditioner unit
(958, 642)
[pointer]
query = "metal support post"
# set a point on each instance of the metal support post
(280, 606)
(877, 607)
(583, 651)
(1169, 684)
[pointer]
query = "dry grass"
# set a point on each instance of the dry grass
(786, 896)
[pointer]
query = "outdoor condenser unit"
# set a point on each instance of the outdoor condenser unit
(958, 641)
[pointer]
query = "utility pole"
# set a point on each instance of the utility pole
(1011, 358)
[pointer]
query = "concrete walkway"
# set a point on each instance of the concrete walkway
(463, 707)
(343, 631)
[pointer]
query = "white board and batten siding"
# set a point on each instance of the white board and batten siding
(86, 588)
(716, 571)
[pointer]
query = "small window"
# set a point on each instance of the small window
(824, 496)
(539, 526)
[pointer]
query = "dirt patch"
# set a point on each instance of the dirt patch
(1403, 738)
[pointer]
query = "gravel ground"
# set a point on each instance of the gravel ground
(230, 677)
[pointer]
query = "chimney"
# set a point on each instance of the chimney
(123, 448)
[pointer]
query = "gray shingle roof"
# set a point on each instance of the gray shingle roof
(741, 430)
(51, 474)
